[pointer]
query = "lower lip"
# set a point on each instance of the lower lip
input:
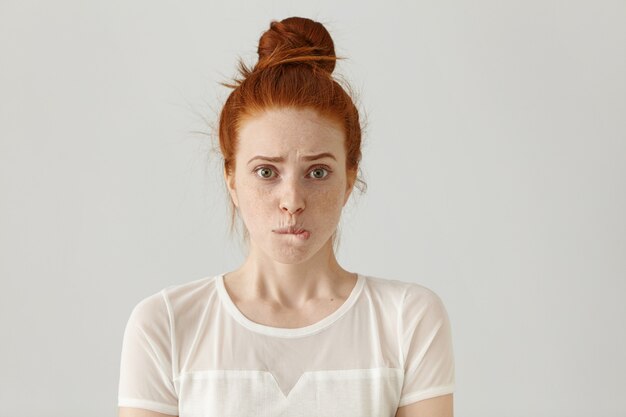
(302, 236)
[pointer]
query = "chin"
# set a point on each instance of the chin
(290, 255)
(290, 250)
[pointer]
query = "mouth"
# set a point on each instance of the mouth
(296, 232)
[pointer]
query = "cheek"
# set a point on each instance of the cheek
(254, 194)
(256, 202)
(328, 199)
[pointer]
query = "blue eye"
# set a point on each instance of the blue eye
(320, 169)
(263, 170)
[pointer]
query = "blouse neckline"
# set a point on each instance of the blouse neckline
(283, 331)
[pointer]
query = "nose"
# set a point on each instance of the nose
(292, 197)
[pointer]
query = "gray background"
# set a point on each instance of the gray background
(495, 154)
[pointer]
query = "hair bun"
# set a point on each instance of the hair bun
(297, 40)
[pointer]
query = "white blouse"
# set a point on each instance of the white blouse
(188, 351)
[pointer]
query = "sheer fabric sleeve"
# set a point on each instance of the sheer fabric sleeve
(146, 374)
(426, 346)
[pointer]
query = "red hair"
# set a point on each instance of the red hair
(296, 61)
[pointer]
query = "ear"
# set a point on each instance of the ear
(349, 185)
(230, 185)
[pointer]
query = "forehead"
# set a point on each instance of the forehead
(284, 131)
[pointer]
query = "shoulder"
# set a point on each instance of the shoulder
(166, 302)
(411, 303)
(401, 291)
(190, 291)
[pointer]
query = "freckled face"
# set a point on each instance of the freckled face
(291, 189)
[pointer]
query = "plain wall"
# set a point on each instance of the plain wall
(494, 152)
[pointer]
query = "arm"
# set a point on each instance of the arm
(429, 360)
(440, 406)
(139, 412)
(146, 383)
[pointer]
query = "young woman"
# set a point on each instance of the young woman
(290, 332)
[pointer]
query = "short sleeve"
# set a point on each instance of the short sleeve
(426, 346)
(146, 375)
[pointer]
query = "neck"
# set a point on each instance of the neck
(292, 285)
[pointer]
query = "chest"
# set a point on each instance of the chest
(270, 315)
(345, 393)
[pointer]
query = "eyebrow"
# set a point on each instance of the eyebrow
(306, 158)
